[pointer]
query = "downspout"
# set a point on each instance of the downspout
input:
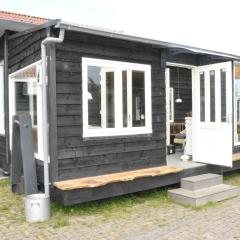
(44, 105)
(6, 166)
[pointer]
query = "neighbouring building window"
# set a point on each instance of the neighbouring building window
(237, 102)
(116, 98)
(2, 125)
(25, 98)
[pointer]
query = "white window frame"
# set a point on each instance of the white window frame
(2, 110)
(118, 67)
(12, 107)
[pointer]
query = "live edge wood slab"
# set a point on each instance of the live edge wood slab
(97, 181)
(236, 157)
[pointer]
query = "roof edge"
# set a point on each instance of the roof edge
(123, 36)
(35, 28)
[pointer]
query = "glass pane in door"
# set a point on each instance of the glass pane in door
(202, 97)
(223, 96)
(212, 96)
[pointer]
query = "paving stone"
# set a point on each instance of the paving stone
(220, 222)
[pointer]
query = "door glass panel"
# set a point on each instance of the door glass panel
(202, 97)
(237, 102)
(212, 96)
(124, 97)
(26, 99)
(110, 111)
(138, 99)
(223, 96)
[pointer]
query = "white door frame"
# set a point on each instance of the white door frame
(167, 86)
(12, 106)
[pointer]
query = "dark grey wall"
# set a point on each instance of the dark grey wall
(25, 50)
(1, 49)
(185, 92)
(2, 150)
(78, 157)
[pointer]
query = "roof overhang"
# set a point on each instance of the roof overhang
(13, 26)
(120, 35)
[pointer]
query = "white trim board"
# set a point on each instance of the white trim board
(2, 108)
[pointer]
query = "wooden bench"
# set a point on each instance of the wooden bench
(236, 157)
(102, 180)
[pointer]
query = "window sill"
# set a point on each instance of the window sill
(108, 133)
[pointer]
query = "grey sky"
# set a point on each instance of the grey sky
(211, 24)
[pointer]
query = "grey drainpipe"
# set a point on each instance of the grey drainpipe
(44, 105)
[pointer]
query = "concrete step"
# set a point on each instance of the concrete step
(203, 196)
(201, 181)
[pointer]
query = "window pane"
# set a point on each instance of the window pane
(26, 99)
(124, 97)
(138, 99)
(223, 96)
(94, 97)
(110, 111)
(212, 96)
(202, 97)
(101, 110)
(237, 102)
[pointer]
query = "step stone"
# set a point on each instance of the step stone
(203, 196)
(201, 181)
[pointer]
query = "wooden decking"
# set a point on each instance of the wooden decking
(97, 181)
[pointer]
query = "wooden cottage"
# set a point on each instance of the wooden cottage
(122, 110)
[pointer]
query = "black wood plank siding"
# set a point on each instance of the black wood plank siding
(2, 150)
(1, 49)
(185, 92)
(78, 157)
(25, 50)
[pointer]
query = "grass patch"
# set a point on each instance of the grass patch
(61, 222)
(206, 206)
(4, 183)
(232, 178)
(119, 206)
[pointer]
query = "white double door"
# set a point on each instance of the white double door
(212, 114)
